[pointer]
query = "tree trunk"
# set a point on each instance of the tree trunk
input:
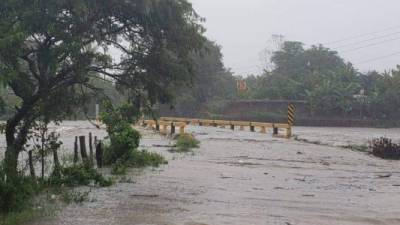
(57, 165)
(11, 154)
(10, 163)
(31, 166)
(16, 140)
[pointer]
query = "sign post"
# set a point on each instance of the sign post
(291, 118)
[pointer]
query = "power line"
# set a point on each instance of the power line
(367, 40)
(378, 58)
(361, 35)
(370, 45)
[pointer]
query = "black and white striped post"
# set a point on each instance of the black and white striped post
(291, 118)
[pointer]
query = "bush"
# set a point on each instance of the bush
(123, 138)
(75, 196)
(122, 151)
(145, 158)
(79, 175)
(138, 159)
(15, 195)
(185, 142)
(385, 148)
(122, 142)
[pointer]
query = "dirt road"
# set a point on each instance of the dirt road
(250, 178)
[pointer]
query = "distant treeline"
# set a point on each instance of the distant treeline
(331, 87)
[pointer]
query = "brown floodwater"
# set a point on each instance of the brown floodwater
(248, 178)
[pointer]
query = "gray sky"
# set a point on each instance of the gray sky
(244, 28)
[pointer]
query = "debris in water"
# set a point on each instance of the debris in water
(308, 195)
(385, 175)
(145, 196)
(224, 176)
(302, 180)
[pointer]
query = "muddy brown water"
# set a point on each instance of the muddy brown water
(248, 178)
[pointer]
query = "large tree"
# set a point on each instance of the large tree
(212, 82)
(51, 49)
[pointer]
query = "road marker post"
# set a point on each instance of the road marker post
(291, 119)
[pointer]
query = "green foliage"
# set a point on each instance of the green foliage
(16, 195)
(80, 175)
(122, 151)
(138, 159)
(119, 168)
(358, 148)
(75, 196)
(185, 143)
(23, 217)
(211, 83)
(51, 51)
(143, 158)
(123, 138)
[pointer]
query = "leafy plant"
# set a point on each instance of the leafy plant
(16, 196)
(122, 151)
(185, 143)
(75, 196)
(78, 175)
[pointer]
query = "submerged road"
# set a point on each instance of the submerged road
(251, 178)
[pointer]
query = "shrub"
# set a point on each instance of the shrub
(75, 196)
(122, 151)
(385, 148)
(15, 195)
(186, 142)
(122, 142)
(145, 158)
(138, 159)
(123, 138)
(78, 175)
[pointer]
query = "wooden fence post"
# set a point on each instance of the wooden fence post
(91, 148)
(76, 156)
(252, 128)
(99, 154)
(82, 144)
(172, 128)
(157, 127)
(182, 130)
(276, 130)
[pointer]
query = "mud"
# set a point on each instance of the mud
(250, 178)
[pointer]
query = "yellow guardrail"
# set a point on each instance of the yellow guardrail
(162, 126)
(233, 124)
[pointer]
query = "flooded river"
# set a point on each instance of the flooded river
(249, 178)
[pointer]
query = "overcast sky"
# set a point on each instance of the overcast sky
(244, 28)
